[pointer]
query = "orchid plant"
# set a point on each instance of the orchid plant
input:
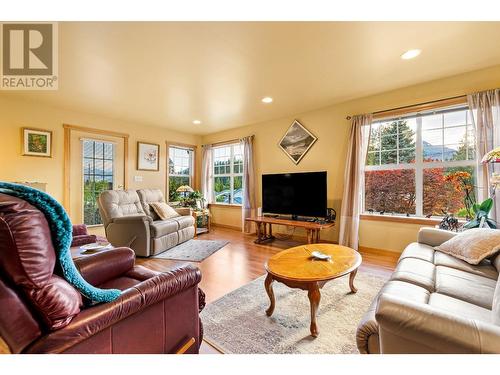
(481, 218)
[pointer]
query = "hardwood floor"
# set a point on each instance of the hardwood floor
(242, 261)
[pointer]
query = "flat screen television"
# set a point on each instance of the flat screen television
(296, 194)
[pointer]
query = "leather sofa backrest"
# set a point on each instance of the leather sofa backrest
(27, 262)
(118, 203)
(148, 196)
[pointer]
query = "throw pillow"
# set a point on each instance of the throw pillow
(472, 245)
(163, 210)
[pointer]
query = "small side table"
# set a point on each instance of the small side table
(205, 213)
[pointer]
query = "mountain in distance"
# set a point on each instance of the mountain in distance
(435, 152)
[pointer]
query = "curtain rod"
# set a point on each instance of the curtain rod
(415, 105)
(226, 142)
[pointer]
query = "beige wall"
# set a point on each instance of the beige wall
(331, 128)
(15, 114)
(328, 124)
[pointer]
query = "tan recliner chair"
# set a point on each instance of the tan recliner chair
(128, 223)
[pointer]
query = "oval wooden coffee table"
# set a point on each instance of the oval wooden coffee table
(296, 268)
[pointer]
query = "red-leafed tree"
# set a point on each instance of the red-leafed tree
(390, 191)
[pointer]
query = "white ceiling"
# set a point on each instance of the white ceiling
(170, 73)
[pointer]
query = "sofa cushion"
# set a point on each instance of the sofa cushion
(56, 302)
(415, 271)
(473, 245)
(458, 307)
(184, 221)
(163, 210)
(419, 251)
(465, 286)
(163, 227)
(484, 268)
(406, 290)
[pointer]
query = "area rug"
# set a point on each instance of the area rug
(193, 250)
(237, 322)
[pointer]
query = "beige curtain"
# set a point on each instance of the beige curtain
(249, 196)
(354, 180)
(207, 174)
(485, 108)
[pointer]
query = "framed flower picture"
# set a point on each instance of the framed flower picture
(297, 141)
(37, 142)
(148, 155)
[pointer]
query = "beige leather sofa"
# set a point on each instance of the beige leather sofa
(434, 303)
(129, 221)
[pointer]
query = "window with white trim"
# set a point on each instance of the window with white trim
(98, 175)
(180, 170)
(421, 164)
(228, 174)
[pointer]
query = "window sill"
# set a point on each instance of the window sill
(400, 219)
(225, 205)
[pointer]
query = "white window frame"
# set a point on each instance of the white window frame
(191, 166)
(419, 166)
(113, 165)
(231, 173)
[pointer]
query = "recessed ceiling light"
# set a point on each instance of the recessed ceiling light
(196, 122)
(410, 54)
(267, 100)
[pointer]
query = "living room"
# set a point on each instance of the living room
(249, 187)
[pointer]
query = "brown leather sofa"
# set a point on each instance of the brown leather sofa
(40, 312)
(129, 221)
(434, 303)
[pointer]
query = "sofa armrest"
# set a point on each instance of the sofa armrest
(80, 230)
(83, 239)
(95, 319)
(101, 267)
(367, 338)
(433, 236)
(130, 231)
(184, 211)
(409, 327)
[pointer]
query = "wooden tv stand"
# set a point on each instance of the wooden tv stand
(264, 234)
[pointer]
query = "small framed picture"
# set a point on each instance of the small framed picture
(37, 142)
(148, 155)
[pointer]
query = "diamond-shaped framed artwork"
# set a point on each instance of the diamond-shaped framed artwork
(297, 141)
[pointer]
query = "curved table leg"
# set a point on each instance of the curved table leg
(314, 298)
(352, 275)
(269, 289)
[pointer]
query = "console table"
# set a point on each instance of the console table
(265, 227)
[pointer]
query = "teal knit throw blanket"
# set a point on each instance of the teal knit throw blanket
(61, 231)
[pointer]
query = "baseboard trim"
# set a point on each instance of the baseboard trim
(233, 227)
(375, 251)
